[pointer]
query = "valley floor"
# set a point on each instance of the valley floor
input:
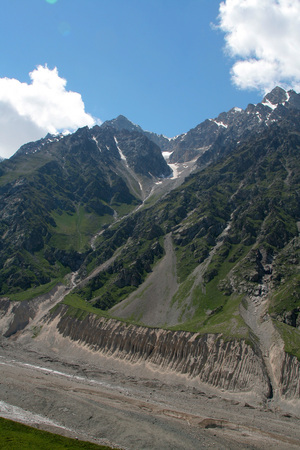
(105, 401)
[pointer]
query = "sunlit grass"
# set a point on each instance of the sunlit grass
(291, 338)
(15, 436)
(74, 231)
(34, 292)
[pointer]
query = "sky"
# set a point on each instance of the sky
(167, 65)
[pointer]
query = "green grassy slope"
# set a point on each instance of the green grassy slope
(15, 436)
(254, 191)
(53, 201)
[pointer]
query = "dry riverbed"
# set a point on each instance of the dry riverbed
(109, 402)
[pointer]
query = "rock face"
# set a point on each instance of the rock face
(17, 316)
(214, 137)
(231, 365)
(289, 381)
(122, 123)
(21, 314)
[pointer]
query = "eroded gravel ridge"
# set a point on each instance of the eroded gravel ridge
(108, 401)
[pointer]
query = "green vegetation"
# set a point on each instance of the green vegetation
(230, 224)
(24, 167)
(123, 209)
(34, 292)
(14, 435)
(226, 320)
(246, 190)
(73, 231)
(36, 331)
(190, 256)
(287, 297)
(184, 291)
(216, 309)
(55, 198)
(291, 338)
(79, 308)
(133, 262)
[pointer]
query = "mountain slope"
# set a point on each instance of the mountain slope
(57, 193)
(215, 261)
(245, 201)
(233, 227)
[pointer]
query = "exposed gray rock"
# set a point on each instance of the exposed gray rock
(290, 377)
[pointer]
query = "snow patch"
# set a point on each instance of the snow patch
(220, 124)
(175, 171)
(140, 185)
(166, 155)
(269, 104)
(95, 139)
(55, 137)
(122, 156)
(259, 116)
(166, 137)
(236, 109)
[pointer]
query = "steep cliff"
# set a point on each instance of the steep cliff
(230, 365)
(286, 369)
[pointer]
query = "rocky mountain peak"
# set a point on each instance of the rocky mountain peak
(122, 123)
(36, 146)
(276, 96)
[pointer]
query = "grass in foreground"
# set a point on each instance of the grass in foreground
(15, 436)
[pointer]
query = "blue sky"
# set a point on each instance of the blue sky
(164, 64)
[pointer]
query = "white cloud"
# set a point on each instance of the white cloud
(29, 111)
(264, 38)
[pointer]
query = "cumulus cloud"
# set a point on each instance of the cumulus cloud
(264, 38)
(29, 111)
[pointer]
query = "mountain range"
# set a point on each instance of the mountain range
(197, 233)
